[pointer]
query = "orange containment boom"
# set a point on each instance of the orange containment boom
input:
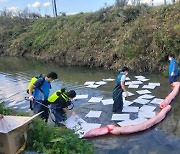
(172, 95)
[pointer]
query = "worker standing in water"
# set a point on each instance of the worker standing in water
(173, 69)
(119, 89)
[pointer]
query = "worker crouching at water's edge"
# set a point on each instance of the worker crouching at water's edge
(118, 90)
(60, 100)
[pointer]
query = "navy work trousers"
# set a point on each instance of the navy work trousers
(118, 99)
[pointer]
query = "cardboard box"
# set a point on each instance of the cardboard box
(14, 141)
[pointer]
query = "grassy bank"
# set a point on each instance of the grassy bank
(137, 36)
(49, 139)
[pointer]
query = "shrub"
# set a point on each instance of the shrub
(49, 139)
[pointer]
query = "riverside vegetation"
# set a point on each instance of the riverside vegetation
(49, 139)
(139, 37)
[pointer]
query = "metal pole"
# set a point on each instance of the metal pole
(55, 8)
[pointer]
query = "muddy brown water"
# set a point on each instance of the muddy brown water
(164, 137)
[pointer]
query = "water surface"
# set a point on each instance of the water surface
(15, 74)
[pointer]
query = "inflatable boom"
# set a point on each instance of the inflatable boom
(171, 96)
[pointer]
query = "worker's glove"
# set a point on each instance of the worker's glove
(31, 98)
(172, 74)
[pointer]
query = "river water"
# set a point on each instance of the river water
(15, 74)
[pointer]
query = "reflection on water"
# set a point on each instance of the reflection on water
(15, 74)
